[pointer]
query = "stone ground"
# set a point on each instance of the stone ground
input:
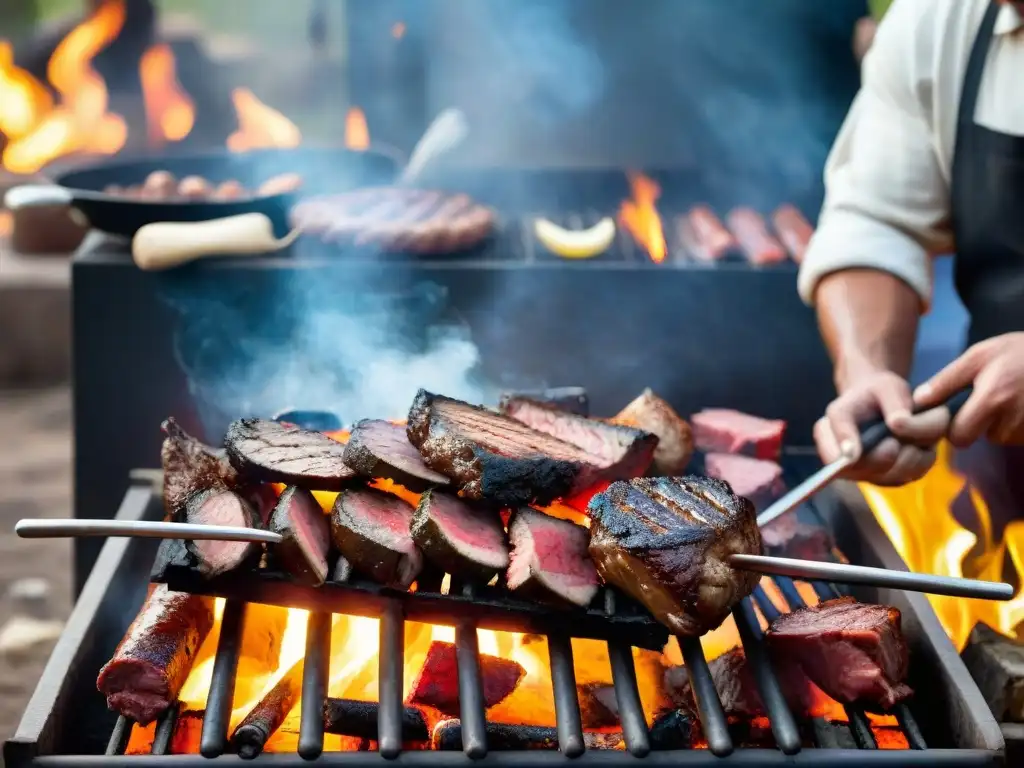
(35, 481)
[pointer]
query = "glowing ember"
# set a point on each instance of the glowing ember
(641, 219)
(170, 112)
(357, 132)
(260, 126)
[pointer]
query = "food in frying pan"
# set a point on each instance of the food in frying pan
(163, 186)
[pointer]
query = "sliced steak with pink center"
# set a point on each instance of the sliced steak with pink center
(220, 508)
(549, 558)
(381, 449)
(370, 529)
(720, 430)
(754, 479)
(459, 538)
(272, 452)
(306, 536)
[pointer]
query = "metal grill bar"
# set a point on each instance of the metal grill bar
(214, 739)
(119, 736)
(316, 669)
(471, 687)
(627, 694)
(165, 726)
(709, 706)
(391, 652)
(567, 705)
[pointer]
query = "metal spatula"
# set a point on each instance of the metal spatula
(448, 130)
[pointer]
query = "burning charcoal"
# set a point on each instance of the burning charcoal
(382, 449)
(345, 717)
(599, 706)
(675, 439)
(458, 538)
(220, 508)
(190, 467)
(754, 479)
(272, 452)
(788, 535)
(437, 684)
(571, 399)
(303, 524)
(316, 421)
(621, 452)
(151, 663)
(854, 652)
(665, 541)
(719, 430)
(371, 530)
(549, 558)
(256, 728)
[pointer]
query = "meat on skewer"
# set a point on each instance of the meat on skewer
(757, 242)
(793, 229)
(189, 467)
(305, 535)
(220, 507)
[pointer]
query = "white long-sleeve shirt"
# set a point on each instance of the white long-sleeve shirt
(887, 179)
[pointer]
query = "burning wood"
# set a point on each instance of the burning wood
(263, 720)
(437, 684)
(997, 664)
(346, 717)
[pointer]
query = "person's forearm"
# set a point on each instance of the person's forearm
(868, 320)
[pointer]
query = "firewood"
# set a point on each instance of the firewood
(346, 717)
(996, 663)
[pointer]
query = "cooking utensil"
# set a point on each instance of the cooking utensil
(871, 435)
(47, 528)
(447, 131)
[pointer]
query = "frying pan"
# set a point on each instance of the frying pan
(322, 170)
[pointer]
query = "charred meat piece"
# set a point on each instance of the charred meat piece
(549, 558)
(571, 399)
(382, 449)
(371, 530)
(757, 242)
(754, 479)
(220, 508)
(306, 536)
(675, 439)
(494, 457)
(721, 430)
(150, 665)
(854, 652)
(621, 452)
(190, 467)
(273, 452)
(437, 684)
(458, 538)
(704, 236)
(788, 535)
(666, 541)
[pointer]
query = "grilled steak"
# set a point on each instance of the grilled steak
(437, 684)
(494, 457)
(754, 479)
(675, 439)
(721, 430)
(793, 229)
(397, 219)
(220, 508)
(458, 538)
(787, 535)
(665, 541)
(621, 452)
(273, 452)
(571, 399)
(757, 242)
(371, 530)
(307, 535)
(190, 467)
(152, 662)
(549, 558)
(854, 652)
(382, 449)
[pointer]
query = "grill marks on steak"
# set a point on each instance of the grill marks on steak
(675, 438)
(665, 541)
(854, 652)
(306, 536)
(220, 508)
(459, 538)
(381, 449)
(754, 479)
(549, 558)
(371, 530)
(152, 662)
(722, 430)
(621, 452)
(273, 452)
(189, 467)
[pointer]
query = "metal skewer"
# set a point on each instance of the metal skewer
(46, 528)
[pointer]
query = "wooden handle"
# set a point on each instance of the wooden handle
(170, 244)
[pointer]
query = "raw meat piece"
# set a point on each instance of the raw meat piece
(754, 479)
(151, 663)
(622, 452)
(756, 241)
(704, 236)
(675, 439)
(437, 684)
(220, 508)
(371, 530)
(549, 558)
(787, 535)
(793, 229)
(190, 467)
(571, 399)
(666, 541)
(382, 449)
(458, 538)
(307, 535)
(721, 430)
(854, 652)
(281, 453)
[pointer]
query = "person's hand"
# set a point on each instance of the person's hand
(894, 461)
(996, 407)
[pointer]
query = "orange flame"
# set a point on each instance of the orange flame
(24, 98)
(357, 132)
(260, 126)
(81, 122)
(641, 219)
(170, 113)
(919, 520)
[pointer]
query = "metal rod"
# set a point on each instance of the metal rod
(471, 692)
(165, 725)
(36, 528)
(709, 706)
(627, 695)
(119, 736)
(803, 491)
(768, 609)
(909, 725)
(389, 679)
(876, 577)
(316, 670)
(567, 704)
(214, 739)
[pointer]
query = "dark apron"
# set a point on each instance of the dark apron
(987, 192)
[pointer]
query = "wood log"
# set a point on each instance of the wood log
(996, 663)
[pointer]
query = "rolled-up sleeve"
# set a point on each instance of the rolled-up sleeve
(886, 200)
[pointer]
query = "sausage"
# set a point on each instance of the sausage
(757, 243)
(194, 187)
(793, 229)
(159, 184)
(154, 659)
(704, 235)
